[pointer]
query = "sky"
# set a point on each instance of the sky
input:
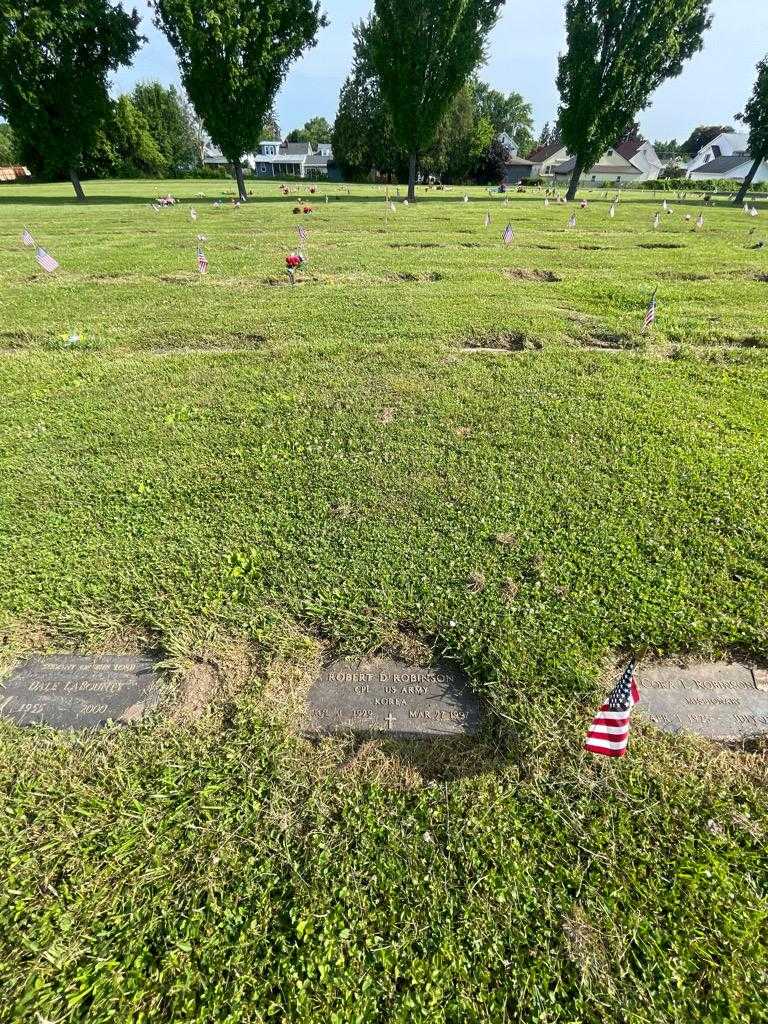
(522, 56)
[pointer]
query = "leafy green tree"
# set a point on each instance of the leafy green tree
(8, 154)
(423, 54)
(700, 136)
(667, 150)
(167, 121)
(270, 129)
(362, 135)
(233, 56)
(315, 131)
(55, 57)
(619, 52)
(511, 114)
(756, 116)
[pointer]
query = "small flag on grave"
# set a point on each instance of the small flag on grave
(487, 220)
(202, 262)
(612, 211)
(650, 313)
(609, 732)
(665, 206)
(546, 202)
(508, 236)
(26, 238)
(466, 199)
(192, 213)
(303, 233)
(572, 221)
(656, 221)
(700, 222)
(46, 261)
(753, 211)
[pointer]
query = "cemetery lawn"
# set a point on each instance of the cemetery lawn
(247, 478)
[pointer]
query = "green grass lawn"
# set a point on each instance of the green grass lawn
(247, 477)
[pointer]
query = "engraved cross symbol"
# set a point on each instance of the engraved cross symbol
(389, 720)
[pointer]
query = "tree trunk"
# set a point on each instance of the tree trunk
(240, 181)
(575, 178)
(748, 181)
(412, 178)
(79, 194)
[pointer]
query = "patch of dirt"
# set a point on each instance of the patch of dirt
(415, 245)
(607, 340)
(661, 245)
(283, 282)
(749, 342)
(673, 275)
(585, 946)
(109, 278)
(198, 688)
(476, 583)
(387, 415)
(11, 340)
(522, 274)
(761, 277)
(502, 341)
(594, 248)
(185, 279)
(549, 248)
(411, 278)
(470, 245)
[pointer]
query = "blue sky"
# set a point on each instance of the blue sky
(522, 56)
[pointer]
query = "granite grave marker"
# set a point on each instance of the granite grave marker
(720, 701)
(69, 691)
(382, 695)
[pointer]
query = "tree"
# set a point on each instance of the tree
(168, 123)
(546, 135)
(233, 56)
(315, 131)
(756, 116)
(362, 135)
(619, 52)
(700, 136)
(423, 54)
(55, 56)
(631, 133)
(460, 140)
(511, 114)
(492, 165)
(670, 150)
(270, 129)
(8, 154)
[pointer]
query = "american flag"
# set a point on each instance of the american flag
(202, 262)
(303, 235)
(612, 211)
(572, 221)
(487, 220)
(546, 202)
(46, 261)
(650, 313)
(508, 236)
(656, 221)
(700, 221)
(192, 213)
(609, 732)
(26, 238)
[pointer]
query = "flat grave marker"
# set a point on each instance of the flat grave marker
(70, 691)
(391, 697)
(720, 700)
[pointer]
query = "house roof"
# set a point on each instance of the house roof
(518, 161)
(536, 156)
(629, 148)
(568, 166)
(722, 164)
(317, 160)
(295, 149)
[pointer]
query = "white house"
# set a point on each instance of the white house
(731, 168)
(291, 159)
(545, 159)
(642, 156)
(725, 157)
(278, 159)
(724, 144)
(626, 164)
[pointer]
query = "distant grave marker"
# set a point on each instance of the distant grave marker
(382, 695)
(69, 691)
(720, 701)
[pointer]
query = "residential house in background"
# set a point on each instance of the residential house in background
(726, 157)
(276, 159)
(629, 163)
(291, 160)
(544, 160)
